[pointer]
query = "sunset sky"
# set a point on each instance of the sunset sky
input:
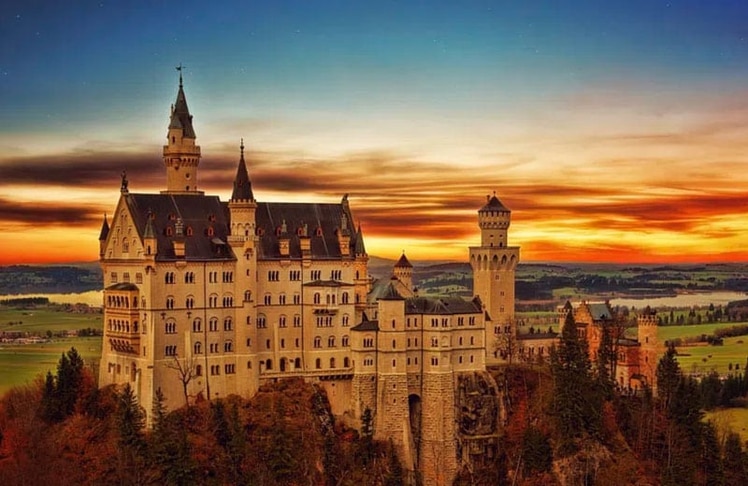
(615, 131)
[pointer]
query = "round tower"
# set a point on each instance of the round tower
(181, 154)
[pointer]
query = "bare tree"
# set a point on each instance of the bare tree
(506, 344)
(186, 368)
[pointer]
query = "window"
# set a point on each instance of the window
(213, 301)
(170, 350)
(198, 348)
(170, 302)
(283, 343)
(229, 369)
(282, 299)
(335, 274)
(228, 324)
(345, 342)
(169, 277)
(296, 320)
(317, 298)
(126, 277)
(247, 296)
(213, 347)
(228, 277)
(344, 297)
(317, 342)
(267, 344)
(368, 361)
(228, 301)
(261, 324)
(213, 325)
(190, 302)
(368, 342)
(268, 299)
(228, 347)
(434, 361)
(331, 342)
(316, 274)
(296, 299)
(249, 342)
(282, 321)
(113, 277)
(294, 275)
(346, 362)
(215, 369)
(332, 363)
(170, 327)
(189, 277)
(273, 275)
(199, 370)
(318, 363)
(345, 321)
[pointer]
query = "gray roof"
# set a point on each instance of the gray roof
(205, 217)
(358, 243)
(242, 185)
(366, 325)
(327, 283)
(494, 204)
(403, 262)
(123, 286)
(441, 306)
(321, 222)
(180, 115)
(104, 230)
(600, 311)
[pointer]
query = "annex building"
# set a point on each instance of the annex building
(207, 298)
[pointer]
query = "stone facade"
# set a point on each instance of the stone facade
(205, 298)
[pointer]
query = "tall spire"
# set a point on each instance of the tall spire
(104, 229)
(360, 249)
(180, 113)
(242, 185)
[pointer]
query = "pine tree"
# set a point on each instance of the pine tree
(576, 405)
(130, 420)
(367, 437)
(735, 462)
(668, 376)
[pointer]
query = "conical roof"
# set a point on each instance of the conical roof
(180, 114)
(360, 249)
(242, 185)
(494, 204)
(391, 293)
(403, 262)
(104, 230)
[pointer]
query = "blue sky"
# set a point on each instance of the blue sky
(514, 94)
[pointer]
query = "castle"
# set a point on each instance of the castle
(205, 298)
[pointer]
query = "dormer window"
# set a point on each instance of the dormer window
(210, 231)
(212, 218)
(318, 232)
(188, 231)
(169, 231)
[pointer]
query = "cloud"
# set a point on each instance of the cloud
(36, 214)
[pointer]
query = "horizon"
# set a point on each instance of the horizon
(616, 135)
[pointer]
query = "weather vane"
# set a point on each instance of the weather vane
(179, 68)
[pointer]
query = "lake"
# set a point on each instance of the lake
(92, 297)
(698, 299)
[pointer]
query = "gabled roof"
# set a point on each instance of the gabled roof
(600, 311)
(366, 325)
(320, 221)
(242, 185)
(391, 293)
(204, 218)
(494, 204)
(180, 115)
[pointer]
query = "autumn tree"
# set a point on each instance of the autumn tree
(186, 369)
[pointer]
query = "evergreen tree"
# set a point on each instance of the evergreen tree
(668, 376)
(395, 475)
(50, 408)
(537, 455)
(735, 462)
(576, 404)
(69, 380)
(366, 451)
(710, 462)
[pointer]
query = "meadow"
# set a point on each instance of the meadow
(22, 363)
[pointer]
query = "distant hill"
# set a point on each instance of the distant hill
(47, 279)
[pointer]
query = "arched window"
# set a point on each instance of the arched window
(318, 363)
(346, 362)
(331, 342)
(345, 297)
(269, 364)
(332, 362)
(317, 342)
(198, 348)
(317, 298)
(345, 343)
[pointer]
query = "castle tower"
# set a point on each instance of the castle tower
(494, 263)
(181, 155)
(404, 272)
(243, 241)
(392, 412)
(650, 347)
(361, 280)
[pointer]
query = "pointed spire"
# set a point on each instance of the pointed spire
(104, 229)
(180, 113)
(242, 185)
(360, 249)
(149, 232)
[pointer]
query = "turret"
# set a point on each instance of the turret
(181, 154)
(149, 238)
(103, 236)
(650, 347)
(404, 272)
(242, 205)
(494, 219)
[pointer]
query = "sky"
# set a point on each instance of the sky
(615, 131)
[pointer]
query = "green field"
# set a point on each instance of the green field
(41, 320)
(20, 364)
(735, 419)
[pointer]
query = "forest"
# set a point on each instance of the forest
(566, 424)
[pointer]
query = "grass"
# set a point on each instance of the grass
(735, 419)
(20, 364)
(42, 319)
(705, 358)
(665, 333)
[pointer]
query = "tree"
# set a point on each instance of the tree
(367, 436)
(130, 420)
(668, 375)
(576, 404)
(186, 369)
(506, 344)
(169, 449)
